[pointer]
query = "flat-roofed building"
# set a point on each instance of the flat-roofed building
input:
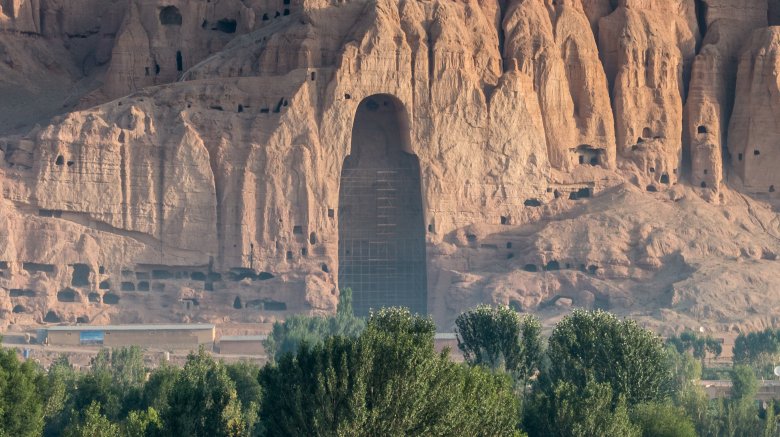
(242, 345)
(173, 336)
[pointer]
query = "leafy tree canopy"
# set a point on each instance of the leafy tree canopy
(596, 344)
(500, 339)
(389, 381)
(286, 336)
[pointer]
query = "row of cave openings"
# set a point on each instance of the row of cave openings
(554, 266)
(146, 280)
(312, 241)
(171, 16)
(275, 108)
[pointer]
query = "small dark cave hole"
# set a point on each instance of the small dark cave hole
(226, 25)
(67, 295)
(237, 303)
(52, 317)
(170, 16)
(111, 299)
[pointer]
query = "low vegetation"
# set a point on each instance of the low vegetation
(596, 375)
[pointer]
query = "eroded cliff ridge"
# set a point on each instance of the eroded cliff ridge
(237, 160)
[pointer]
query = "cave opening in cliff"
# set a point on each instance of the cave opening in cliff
(67, 295)
(381, 225)
(226, 25)
(80, 277)
(51, 317)
(701, 18)
(179, 62)
(170, 16)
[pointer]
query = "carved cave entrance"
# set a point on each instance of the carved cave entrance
(381, 225)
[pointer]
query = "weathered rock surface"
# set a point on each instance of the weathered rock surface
(570, 153)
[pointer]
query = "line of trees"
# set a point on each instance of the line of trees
(596, 375)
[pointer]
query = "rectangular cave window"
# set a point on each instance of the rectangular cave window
(161, 274)
(179, 61)
(226, 25)
(756, 152)
(37, 267)
(271, 305)
(80, 275)
(739, 157)
(198, 276)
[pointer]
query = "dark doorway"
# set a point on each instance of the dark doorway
(170, 16)
(381, 226)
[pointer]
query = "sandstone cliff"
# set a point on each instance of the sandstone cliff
(598, 151)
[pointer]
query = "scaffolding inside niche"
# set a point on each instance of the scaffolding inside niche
(382, 238)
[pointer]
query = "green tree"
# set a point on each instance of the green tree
(631, 359)
(500, 339)
(98, 386)
(389, 381)
(744, 384)
(143, 423)
(203, 401)
(58, 391)
(245, 377)
(748, 347)
(699, 346)
(662, 420)
(590, 411)
(21, 400)
(157, 390)
(92, 424)
(297, 329)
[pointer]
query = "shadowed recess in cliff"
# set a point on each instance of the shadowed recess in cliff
(381, 227)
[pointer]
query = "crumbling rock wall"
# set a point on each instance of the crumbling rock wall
(555, 140)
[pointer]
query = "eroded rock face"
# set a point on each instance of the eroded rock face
(712, 88)
(648, 48)
(207, 179)
(754, 129)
